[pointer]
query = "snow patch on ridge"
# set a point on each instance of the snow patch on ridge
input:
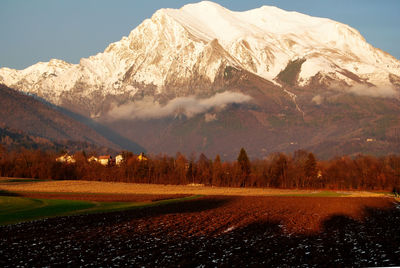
(293, 97)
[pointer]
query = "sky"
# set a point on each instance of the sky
(33, 31)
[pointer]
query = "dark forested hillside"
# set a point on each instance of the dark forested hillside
(22, 112)
(14, 140)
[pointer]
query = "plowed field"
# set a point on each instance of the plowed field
(215, 231)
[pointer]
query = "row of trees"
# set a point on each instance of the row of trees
(298, 170)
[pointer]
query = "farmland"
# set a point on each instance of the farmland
(14, 209)
(260, 228)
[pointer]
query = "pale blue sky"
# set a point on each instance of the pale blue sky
(39, 30)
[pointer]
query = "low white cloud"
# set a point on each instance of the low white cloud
(383, 92)
(317, 99)
(189, 106)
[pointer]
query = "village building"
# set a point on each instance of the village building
(66, 159)
(119, 159)
(93, 159)
(105, 160)
(142, 157)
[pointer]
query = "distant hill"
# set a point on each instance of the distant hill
(28, 122)
(12, 139)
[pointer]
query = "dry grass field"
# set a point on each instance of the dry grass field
(95, 187)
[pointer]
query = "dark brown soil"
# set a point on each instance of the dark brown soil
(215, 231)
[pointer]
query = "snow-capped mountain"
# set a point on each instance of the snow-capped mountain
(182, 52)
(206, 79)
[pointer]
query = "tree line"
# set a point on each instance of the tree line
(279, 170)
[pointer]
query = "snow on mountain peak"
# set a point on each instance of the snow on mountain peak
(226, 26)
(278, 36)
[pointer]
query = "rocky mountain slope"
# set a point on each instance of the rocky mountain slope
(176, 81)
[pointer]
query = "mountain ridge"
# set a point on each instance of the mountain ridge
(191, 69)
(185, 47)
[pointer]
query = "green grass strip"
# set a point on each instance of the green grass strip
(20, 209)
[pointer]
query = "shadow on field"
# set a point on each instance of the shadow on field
(8, 193)
(190, 206)
(342, 241)
(200, 204)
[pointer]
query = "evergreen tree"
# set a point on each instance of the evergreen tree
(217, 160)
(244, 162)
(310, 167)
(2, 151)
(204, 175)
(217, 171)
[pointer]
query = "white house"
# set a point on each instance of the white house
(105, 160)
(142, 157)
(119, 159)
(93, 159)
(66, 159)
